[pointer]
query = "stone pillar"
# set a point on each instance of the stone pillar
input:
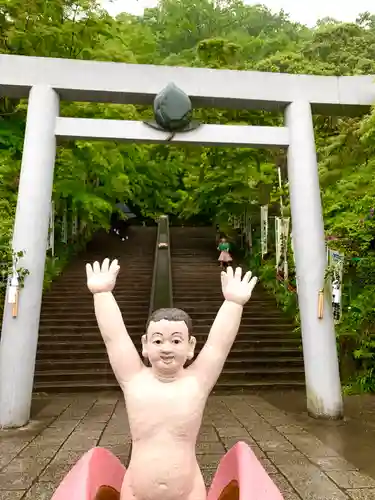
(323, 388)
(19, 336)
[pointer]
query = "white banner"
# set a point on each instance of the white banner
(248, 232)
(13, 282)
(64, 226)
(74, 224)
(278, 241)
(294, 258)
(285, 246)
(82, 226)
(51, 229)
(282, 236)
(336, 262)
(292, 247)
(264, 229)
(13, 290)
(243, 221)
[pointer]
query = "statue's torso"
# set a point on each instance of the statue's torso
(164, 420)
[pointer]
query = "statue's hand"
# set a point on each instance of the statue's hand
(235, 289)
(102, 279)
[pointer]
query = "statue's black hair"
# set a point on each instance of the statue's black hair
(171, 314)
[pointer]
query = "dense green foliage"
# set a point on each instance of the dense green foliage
(209, 183)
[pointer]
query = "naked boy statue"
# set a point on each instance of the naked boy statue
(165, 402)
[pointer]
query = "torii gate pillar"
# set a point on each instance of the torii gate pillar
(323, 388)
(19, 338)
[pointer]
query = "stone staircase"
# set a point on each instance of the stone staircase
(266, 353)
(71, 353)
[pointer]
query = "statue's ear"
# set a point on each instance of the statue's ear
(192, 344)
(144, 346)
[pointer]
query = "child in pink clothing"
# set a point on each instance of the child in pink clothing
(224, 257)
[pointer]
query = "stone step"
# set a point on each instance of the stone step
(140, 267)
(84, 315)
(122, 292)
(65, 342)
(136, 329)
(80, 285)
(77, 322)
(126, 273)
(233, 363)
(96, 350)
(223, 385)
(87, 300)
(67, 305)
(232, 374)
(141, 301)
(213, 291)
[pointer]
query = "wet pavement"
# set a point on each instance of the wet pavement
(307, 459)
(353, 437)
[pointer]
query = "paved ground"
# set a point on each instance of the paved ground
(34, 460)
(353, 438)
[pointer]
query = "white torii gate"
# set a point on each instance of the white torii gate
(45, 81)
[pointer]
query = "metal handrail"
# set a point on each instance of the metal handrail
(154, 273)
(161, 289)
(169, 265)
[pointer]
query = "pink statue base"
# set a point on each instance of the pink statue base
(99, 475)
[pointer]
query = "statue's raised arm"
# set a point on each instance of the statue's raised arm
(122, 353)
(209, 364)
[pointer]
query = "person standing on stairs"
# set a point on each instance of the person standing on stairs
(225, 257)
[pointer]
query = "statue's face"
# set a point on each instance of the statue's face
(167, 346)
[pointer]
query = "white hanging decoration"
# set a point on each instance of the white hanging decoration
(13, 290)
(74, 224)
(82, 226)
(248, 231)
(51, 229)
(294, 258)
(278, 241)
(264, 229)
(243, 221)
(13, 287)
(336, 260)
(292, 247)
(286, 224)
(280, 186)
(282, 235)
(64, 226)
